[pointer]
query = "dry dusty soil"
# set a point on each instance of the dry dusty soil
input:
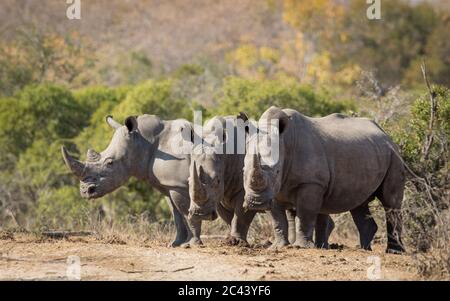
(33, 259)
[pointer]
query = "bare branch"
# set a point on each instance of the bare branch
(433, 108)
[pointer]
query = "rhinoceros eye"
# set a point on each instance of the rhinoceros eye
(109, 162)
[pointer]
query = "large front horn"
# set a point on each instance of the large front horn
(112, 123)
(75, 166)
(196, 187)
(257, 179)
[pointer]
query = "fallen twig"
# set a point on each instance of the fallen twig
(134, 272)
(182, 269)
(63, 234)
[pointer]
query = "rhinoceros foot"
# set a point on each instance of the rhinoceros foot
(235, 241)
(176, 243)
(279, 244)
(303, 244)
(193, 242)
(395, 250)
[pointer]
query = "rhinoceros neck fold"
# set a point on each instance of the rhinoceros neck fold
(142, 154)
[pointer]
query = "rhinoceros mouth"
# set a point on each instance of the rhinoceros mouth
(203, 213)
(253, 202)
(90, 191)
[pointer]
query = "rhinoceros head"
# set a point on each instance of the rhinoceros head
(262, 168)
(206, 180)
(104, 172)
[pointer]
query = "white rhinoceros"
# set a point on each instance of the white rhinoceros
(325, 165)
(143, 148)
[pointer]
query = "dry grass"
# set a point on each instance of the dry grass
(433, 263)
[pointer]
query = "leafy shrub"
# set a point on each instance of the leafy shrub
(64, 207)
(44, 111)
(255, 96)
(424, 146)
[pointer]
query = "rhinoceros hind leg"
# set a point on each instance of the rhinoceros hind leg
(323, 229)
(366, 225)
(394, 230)
(390, 194)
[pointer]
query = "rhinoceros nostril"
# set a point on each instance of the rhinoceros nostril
(214, 215)
(91, 189)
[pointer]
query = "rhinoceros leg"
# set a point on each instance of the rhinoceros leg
(323, 229)
(366, 225)
(280, 226)
(309, 202)
(390, 194)
(182, 231)
(290, 214)
(240, 222)
(193, 226)
(225, 214)
(240, 225)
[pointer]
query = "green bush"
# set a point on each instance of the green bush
(426, 205)
(255, 96)
(43, 111)
(92, 97)
(413, 137)
(63, 207)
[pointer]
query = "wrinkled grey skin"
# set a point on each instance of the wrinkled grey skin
(142, 148)
(327, 165)
(216, 183)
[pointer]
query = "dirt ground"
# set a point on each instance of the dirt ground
(28, 258)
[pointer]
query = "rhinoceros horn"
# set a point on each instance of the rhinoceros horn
(257, 179)
(92, 155)
(75, 166)
(199, 193)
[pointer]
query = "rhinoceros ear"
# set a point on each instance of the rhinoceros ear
(187, 132)
(283, 123)
(131, 124)
(112, 123)
(242, 116)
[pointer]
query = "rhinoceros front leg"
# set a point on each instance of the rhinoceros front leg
(309, 202)
(180, 225)
(225, 214)
(193, 226)
(240, 225)
(240, 222)
(280, 227)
